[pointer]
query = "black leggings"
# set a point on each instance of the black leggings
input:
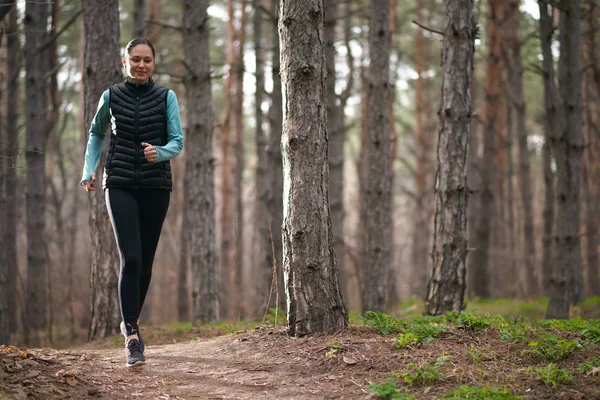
(137, 218)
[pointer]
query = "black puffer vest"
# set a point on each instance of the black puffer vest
(138, 114)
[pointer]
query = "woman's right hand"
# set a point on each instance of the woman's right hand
(90, 185)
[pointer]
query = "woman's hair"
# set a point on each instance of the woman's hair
(137, 41)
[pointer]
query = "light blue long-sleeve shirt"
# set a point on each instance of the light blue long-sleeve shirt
(102, 119)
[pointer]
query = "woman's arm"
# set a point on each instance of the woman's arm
(174, 133)
(96, 137)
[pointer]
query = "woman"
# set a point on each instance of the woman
(145, 134)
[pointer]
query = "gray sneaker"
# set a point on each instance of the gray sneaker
(134, 353)
(124, 332)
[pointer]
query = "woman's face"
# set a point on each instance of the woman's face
(139, 63)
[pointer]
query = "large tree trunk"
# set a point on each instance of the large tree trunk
(139, 12)
(275, 166)
(420, 237)
(13, 67)
(101, 69)
(336, 134)
(474, 184)
(480, 285)
(36, 66)
(199, 163)
(591, 156)
(526, 273)
(446, 287)
(4, 318)
(238, 113)
(311, 282)
(378, 181)
(564, 116)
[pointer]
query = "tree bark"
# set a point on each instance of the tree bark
(139, 13)
(378, 181)
(447, 282)
(261, 214)
(13, 68)
(4, 313)
(36, 67)
(311, 282)
(336, 134)
(200, 163)
(527, 274)
(275, 165)
(101, 69)
(420, 238)
(480, 273)
(238, 113)
(564, 116)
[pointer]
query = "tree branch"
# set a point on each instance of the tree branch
(427, 29)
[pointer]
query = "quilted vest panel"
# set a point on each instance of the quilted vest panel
(138, 114)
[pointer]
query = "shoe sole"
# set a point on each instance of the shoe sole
(135, 364)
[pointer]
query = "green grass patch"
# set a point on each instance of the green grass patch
(554, 376)
(424, 375)
(388, 390)
(588, 365)
(475, 393)
(472, 322)
(333, 349)
(419, 333)
(384, 323)
(552, 348)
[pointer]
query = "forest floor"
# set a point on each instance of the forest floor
(452, 357)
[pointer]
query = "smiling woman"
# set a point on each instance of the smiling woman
(145, 134)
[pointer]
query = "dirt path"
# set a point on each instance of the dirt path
(267, 364)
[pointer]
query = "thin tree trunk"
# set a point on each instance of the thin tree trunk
(13, 67)
(101, 69)
(336, 134)
(261, 215)
(153, 30)
(4, 317)
(227, 256)
(238, 113)
(378, 181)
(139, 12)
(199, 163)
(447, 282)
(526, 273)
(275, 204)
(474, 185)
(36, 66)
(480, 273)
(420, 227)
(311, 282)
(566, 141)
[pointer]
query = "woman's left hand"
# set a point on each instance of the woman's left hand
(149, 152)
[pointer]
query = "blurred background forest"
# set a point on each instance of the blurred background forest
(511, 171)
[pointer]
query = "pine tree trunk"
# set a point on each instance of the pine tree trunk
(378, 181)
(261, 214)
(4, 318)
(567, 143)
(593, 210)
(199, 163)
(36, 67)
(226, 223)
(238, 113)
(10, 218)
(548, 212)
(474, 184)
(446, 287)
(153, 29)
(139, 12)
(336, 134)
(480, 273)
(420, 237)
(311, 282)
(527, 273)
(275, 165)
(101, 69)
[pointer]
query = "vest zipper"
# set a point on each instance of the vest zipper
(138, 143)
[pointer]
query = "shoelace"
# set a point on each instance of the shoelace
(134, 345)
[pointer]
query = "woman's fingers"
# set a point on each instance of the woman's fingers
(149, 152)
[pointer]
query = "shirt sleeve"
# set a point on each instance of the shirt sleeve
(97, 131)
(174, 132)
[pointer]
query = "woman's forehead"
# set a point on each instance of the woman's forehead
(141, 50)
